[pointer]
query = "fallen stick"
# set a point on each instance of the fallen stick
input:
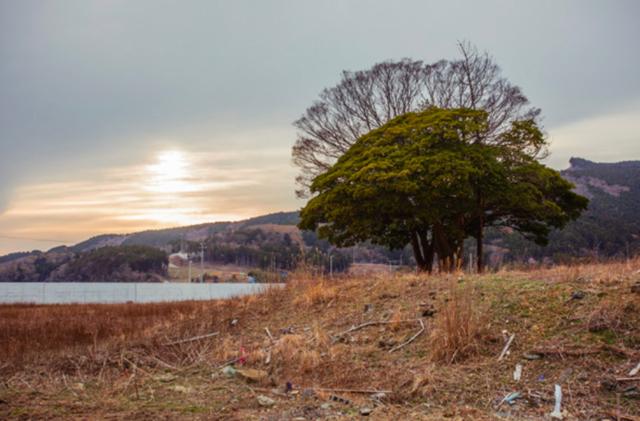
(367, 324)
(582, 352)
(506, 347)
(364, 391)
(623, 417)
(266, 329)
(195, 338)
(229, 362)
(163, 363)
(411, 339)
(635, 370)
(627, 379)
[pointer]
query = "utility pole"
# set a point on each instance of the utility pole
(189, 269)
(331, 265)
(202, 247)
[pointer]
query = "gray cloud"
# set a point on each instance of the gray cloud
(85, 84)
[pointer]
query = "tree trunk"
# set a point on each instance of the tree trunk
(427, 251)
(479, 238)
(422, 251)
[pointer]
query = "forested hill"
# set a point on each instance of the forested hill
(613, 218)
(609, 228)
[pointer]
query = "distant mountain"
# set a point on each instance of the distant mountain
(164, 237)
(609, 228)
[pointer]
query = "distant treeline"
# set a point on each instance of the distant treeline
(106, 264)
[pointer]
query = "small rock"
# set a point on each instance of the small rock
(428, 312)
(179, 388)
(307, 393)
(368, 308)
(531, 356)
(326, 406)
(378, 397)
(265, 401)
(78, 386)
(366, 411)
(229, 371)
(234, 322)
(609, 384)
(578, 295)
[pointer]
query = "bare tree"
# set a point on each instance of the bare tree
(367, 99)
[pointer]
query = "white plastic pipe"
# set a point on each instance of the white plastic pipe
(557, 414)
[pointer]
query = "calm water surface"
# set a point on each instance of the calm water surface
(106, 292)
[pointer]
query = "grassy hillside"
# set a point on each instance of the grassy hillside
(578, 327)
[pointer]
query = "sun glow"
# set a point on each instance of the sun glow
(170, 174)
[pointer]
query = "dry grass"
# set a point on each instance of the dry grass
(460, 327)
(90, 361)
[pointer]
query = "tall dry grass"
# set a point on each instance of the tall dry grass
(459, 327)
(28, 331)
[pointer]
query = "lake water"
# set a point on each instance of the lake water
(108, 292)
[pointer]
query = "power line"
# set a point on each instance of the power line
(46, 240)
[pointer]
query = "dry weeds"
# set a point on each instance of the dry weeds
(90, 361)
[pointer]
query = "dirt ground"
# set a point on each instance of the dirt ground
(377, 346)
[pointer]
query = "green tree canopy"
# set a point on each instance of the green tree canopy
(428, 179)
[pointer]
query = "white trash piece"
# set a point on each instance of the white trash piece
(557, 414)
(517, 373)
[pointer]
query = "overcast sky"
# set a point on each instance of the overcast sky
(124, 115)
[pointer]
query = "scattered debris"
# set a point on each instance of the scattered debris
(252, 374)
(562, 352)
(265, 401)
(627, 379)
(195, 338)
(229, 371)
(234, 322)
(379, 397)
(339, 336)
(510, 399)
(287, 330)
(578, 295)
(506, 347)
(557, 413)
(365, 411)
(360, 391)
(411, 339)
(634, 370)
(631, 392)
(266, 329)
(531, 356)
(517, 373)
(339, 399)
(430, 312)
(326, 406)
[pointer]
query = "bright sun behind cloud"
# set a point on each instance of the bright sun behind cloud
(170, 173)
